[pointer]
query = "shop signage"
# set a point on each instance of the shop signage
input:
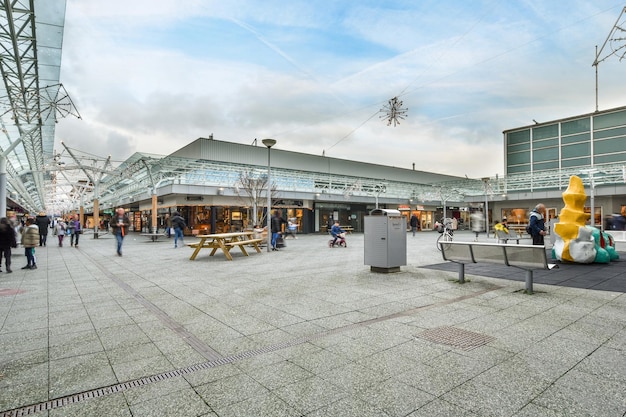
(288, 203)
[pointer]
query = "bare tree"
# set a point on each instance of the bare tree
(252, 188)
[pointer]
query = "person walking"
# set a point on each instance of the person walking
(75, 230)
(277, 227)
(414, 221)
(168, 226)
(43, 223)
(7, 241)
(537, 224)
(60, 231)
(30, 239)
(478, 222)
(120, 224)
(179, 225)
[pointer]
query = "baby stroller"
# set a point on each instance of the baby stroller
(341, 241)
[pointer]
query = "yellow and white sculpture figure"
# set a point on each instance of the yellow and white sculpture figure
(574, 242)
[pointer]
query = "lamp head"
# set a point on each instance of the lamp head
(269, 142)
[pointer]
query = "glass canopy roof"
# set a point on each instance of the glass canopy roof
(31, 36)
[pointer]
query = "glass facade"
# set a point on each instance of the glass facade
(598, 138)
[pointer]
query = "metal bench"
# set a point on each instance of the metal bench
(619, 236)
(526, 257)
(153, 236)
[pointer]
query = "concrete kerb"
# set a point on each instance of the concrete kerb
(316, 314)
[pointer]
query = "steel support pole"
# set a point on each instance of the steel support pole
(269, 143)
(529, 281)
(3, 186)
(154, 211)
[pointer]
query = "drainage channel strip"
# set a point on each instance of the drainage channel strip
(191, 339)
(124, 386)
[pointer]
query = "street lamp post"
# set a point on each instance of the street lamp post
(269, 143)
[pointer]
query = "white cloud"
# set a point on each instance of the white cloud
(154, 75)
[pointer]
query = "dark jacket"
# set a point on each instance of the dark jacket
(414, 221)
(277, 224)
(120, 229)
(43, 223)
(7, 236)
(537, 223)
(178, 223)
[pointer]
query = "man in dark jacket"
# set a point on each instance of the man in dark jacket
(120, 224)
(7, 241)
(537, 224)
(43, 223)
(414, 222)
(277, 227)
(179, 225)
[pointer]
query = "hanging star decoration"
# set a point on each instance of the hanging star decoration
(393, 112)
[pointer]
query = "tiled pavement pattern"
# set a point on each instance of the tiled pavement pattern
(306, 331)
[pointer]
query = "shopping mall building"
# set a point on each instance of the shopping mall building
(219, 186)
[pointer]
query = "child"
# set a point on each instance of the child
(30, 239)
(60, 231)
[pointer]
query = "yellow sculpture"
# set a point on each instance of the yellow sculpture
(575, 242)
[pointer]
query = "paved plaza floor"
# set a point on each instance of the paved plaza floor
(305, 331)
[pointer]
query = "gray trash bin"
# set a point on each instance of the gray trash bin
(385, 240)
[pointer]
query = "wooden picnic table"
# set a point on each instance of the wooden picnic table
(225, 242)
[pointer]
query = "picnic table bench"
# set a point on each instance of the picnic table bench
(153, 236)
(526, 257)
(225, 242)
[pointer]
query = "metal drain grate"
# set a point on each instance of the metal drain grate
(9, 291)
(458, 338)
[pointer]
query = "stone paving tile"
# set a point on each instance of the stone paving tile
(20, 341)
(350, 406)
(353, 377)
(23, 385)
(185, 402)
(119, 336)
(80, 373)
(319, 361)
(148, 392)
(103, 406)
(259, 361)
(141, 367)
(579, 393)
(210, 375)
(441, 408)
(268, 405)
(387, 363)
(278, 374)
(74, 344)
(310, 394)
(396, 398)
(533, 410)
(227, 391)
(486, 401)
(607, 363)
(559, 350)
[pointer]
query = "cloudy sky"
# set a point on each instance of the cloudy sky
(153, 75)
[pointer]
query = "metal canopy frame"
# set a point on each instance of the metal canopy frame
(31, 98)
